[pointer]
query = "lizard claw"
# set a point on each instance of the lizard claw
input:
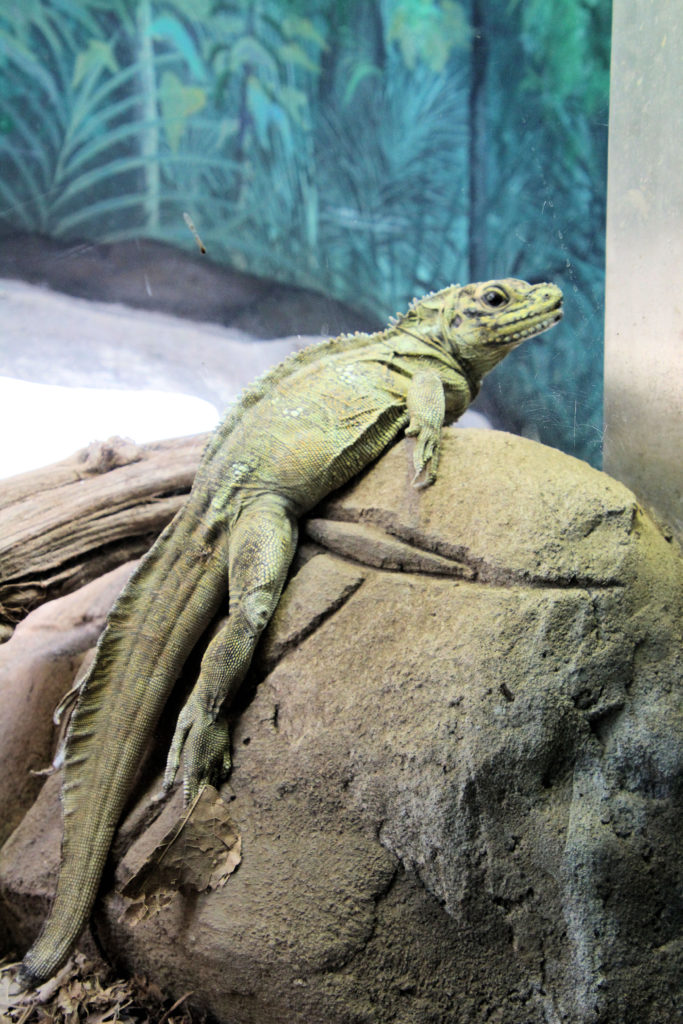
(425, 454)
(204, 743)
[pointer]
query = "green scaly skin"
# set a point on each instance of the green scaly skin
(301, 431)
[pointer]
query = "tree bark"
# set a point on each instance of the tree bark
(64, 525)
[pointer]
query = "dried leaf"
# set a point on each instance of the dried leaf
(198, 854)
(86, 991)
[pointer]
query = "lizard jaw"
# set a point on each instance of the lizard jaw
(529, 326)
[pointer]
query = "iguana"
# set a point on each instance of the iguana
(299, 432)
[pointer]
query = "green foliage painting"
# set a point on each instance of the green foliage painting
(369, 150)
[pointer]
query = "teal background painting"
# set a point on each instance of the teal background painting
(368, 150)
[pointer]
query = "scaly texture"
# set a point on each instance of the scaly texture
(298, 433)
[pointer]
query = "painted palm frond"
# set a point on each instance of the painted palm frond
(392, 166)
(76, 151)
(332, 146)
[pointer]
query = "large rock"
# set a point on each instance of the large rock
(456, 784)
(37, 666)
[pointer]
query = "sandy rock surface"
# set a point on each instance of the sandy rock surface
(456, 783)
(52, 338)
(149, 275)
(142, 314)
(103, 354)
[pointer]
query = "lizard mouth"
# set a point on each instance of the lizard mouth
(530, 325)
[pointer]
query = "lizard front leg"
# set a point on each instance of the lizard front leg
(262, 545)
(426, 406)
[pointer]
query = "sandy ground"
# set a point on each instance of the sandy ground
(97, 369)
(56, 339)
(73, 371)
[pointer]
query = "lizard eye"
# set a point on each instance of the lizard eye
(495, 297)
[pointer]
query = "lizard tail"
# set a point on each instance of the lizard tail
(161, 614)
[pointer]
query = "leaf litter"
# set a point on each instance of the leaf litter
(198, 854)
(87, 991)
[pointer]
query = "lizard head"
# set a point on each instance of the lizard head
(480, 323)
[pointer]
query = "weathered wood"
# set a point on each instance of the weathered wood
(66, 524)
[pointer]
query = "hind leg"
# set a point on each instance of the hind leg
(262, 545)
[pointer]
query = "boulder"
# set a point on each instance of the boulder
(38, 665)
(456, 777)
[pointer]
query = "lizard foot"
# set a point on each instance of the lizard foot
(204, 742)
(425, 453)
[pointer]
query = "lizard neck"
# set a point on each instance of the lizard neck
(399, 338)
(472, 378)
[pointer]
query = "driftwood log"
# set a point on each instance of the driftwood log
(69, 523)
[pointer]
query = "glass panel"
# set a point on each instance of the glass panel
(644, 309)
